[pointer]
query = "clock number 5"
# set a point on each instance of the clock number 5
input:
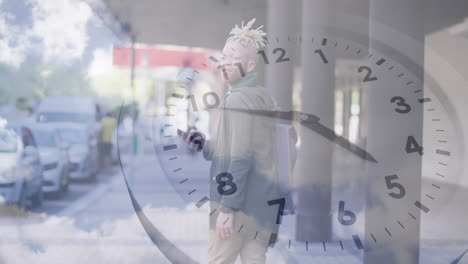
(404, 108)
(281, 202)
(389, 180)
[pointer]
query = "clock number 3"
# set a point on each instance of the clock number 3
(403, 108)
(225, 184)
(391, 184)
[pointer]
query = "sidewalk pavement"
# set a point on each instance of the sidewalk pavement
(108, 210)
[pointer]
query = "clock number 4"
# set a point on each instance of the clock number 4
(403, 107)
(413, 146)
(281, 202)
(345, 217)
(391, 184)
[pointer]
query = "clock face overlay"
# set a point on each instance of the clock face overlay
(195, 103)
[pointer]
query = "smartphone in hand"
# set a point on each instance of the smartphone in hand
(194, 139)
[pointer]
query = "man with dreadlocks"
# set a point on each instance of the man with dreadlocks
(242, 174)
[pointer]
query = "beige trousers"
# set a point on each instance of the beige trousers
(226, 251)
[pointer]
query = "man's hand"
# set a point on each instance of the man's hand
(224, 225)
(195, 139)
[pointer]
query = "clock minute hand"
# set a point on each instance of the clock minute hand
(312, 122)
(329, 134)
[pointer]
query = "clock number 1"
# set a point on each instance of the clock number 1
(322, 56)
(389, 180)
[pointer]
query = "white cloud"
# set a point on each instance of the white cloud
(59, 240)
(101, 63)
(60, 25)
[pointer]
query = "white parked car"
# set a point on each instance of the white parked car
(82, 152)
(20, 167)
(54, 158)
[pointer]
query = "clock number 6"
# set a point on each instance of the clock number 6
(225, 184)
(389, 180)
(400, 101)
(342, 213)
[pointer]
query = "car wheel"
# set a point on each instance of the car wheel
(38, 198)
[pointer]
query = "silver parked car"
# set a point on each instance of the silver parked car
(54, 157)
(83, 150)
(20, 167)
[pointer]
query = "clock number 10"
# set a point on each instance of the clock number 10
(210, 104)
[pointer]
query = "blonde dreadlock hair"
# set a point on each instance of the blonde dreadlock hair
(247, 35)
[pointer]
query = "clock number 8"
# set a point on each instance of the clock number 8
(225, 184)
(404, 108)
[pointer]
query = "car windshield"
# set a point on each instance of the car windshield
(8, 141)
(44, 138)
(73, 136)
(64, 117)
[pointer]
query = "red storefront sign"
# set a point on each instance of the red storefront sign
(154, 57)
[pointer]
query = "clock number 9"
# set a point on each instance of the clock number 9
(225, 184)
(404, 108)
(389, 180)
(342, 213)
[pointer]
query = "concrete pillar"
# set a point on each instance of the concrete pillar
(398, 24)
(279, 75)
(314, 171)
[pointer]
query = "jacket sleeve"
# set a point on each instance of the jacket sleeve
(208, 150)
(240, 152)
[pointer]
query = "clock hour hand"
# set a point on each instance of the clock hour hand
(312, 122)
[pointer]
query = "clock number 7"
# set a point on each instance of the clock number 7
(281, 202)
(389, 180)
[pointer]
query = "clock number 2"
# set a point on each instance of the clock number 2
(368, 77)
(225, 184)
(403, 108)
(281, 202)
(389, 180)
